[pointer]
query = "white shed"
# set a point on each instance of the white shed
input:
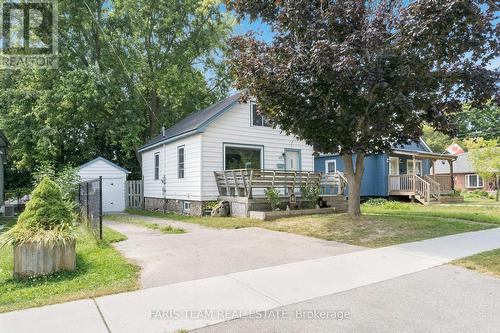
(114, 178)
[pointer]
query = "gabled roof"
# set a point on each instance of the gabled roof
(105, 161)
(194, 123)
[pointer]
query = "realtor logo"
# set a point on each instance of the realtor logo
(28, 34)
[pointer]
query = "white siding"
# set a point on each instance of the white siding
(235, 127)
(113, 184)
(100, 168)
(187, 188)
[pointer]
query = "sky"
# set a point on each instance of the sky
(258, 26)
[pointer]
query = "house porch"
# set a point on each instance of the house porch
(411, 179)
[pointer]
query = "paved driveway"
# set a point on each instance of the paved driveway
(203, 252)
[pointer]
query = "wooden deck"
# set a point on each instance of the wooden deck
(242, 182)
(426, 189)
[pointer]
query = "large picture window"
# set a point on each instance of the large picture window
(258, 119)
(473, 181)
(242, 157)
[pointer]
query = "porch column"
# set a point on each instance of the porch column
(414, 174)
(452, 177)
(433, 166)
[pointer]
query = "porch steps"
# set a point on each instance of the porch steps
(423, 201)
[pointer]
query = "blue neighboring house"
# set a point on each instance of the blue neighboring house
(404, 171)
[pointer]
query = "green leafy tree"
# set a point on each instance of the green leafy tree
(473, 122)
(437, 141)
(485, 156)
(126, 68)
(356, 77)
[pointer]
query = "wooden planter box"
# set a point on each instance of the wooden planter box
(451, 199)
(31, 259)
(272, 215)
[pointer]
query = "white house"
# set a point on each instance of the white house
(178, 165)
(113, 182)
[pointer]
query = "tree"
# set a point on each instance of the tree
(356, 77)
(485, 156)
(437, 141)
(126, 68)
(485, 123)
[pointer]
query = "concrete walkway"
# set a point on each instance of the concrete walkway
(198, 303)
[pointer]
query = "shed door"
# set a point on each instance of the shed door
(113, 195)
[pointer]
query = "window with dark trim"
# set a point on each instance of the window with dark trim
(330, 166)
(242, 157)
(180, 162)
(258, 119)
(157, 166)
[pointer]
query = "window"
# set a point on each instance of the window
(473, 181)
(242, 157)
(157, 166)
(409, 167)
(258, 119)
(330, 166)
(186, 206)
(180, 162)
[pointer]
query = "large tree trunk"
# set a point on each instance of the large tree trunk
(354, 175)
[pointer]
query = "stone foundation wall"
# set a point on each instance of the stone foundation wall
(172, 205)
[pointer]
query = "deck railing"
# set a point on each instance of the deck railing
(333, 183)
(401, 183)
(242, 182)
(444, 182)
(422, 188)
(435, 187)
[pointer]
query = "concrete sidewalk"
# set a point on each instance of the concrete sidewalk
(199, 303)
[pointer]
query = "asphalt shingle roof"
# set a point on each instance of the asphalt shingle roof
(194, 121)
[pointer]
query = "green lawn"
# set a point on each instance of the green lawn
(101, 270)
(379, 225)
(212, 222)
(166, 229)
(373, 230)
(486, 262)
(487, 214)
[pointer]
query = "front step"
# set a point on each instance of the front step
(422, 200)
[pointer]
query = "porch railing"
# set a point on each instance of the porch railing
(444, 182)
(422, 188)
(333, 183)
(401, 183)
(434, 186)
(242, 182)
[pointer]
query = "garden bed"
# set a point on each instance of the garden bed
(451, 199)
(277, 214)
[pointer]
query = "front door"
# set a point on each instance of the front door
(292, 160)
(394, 182)
(418, 166)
